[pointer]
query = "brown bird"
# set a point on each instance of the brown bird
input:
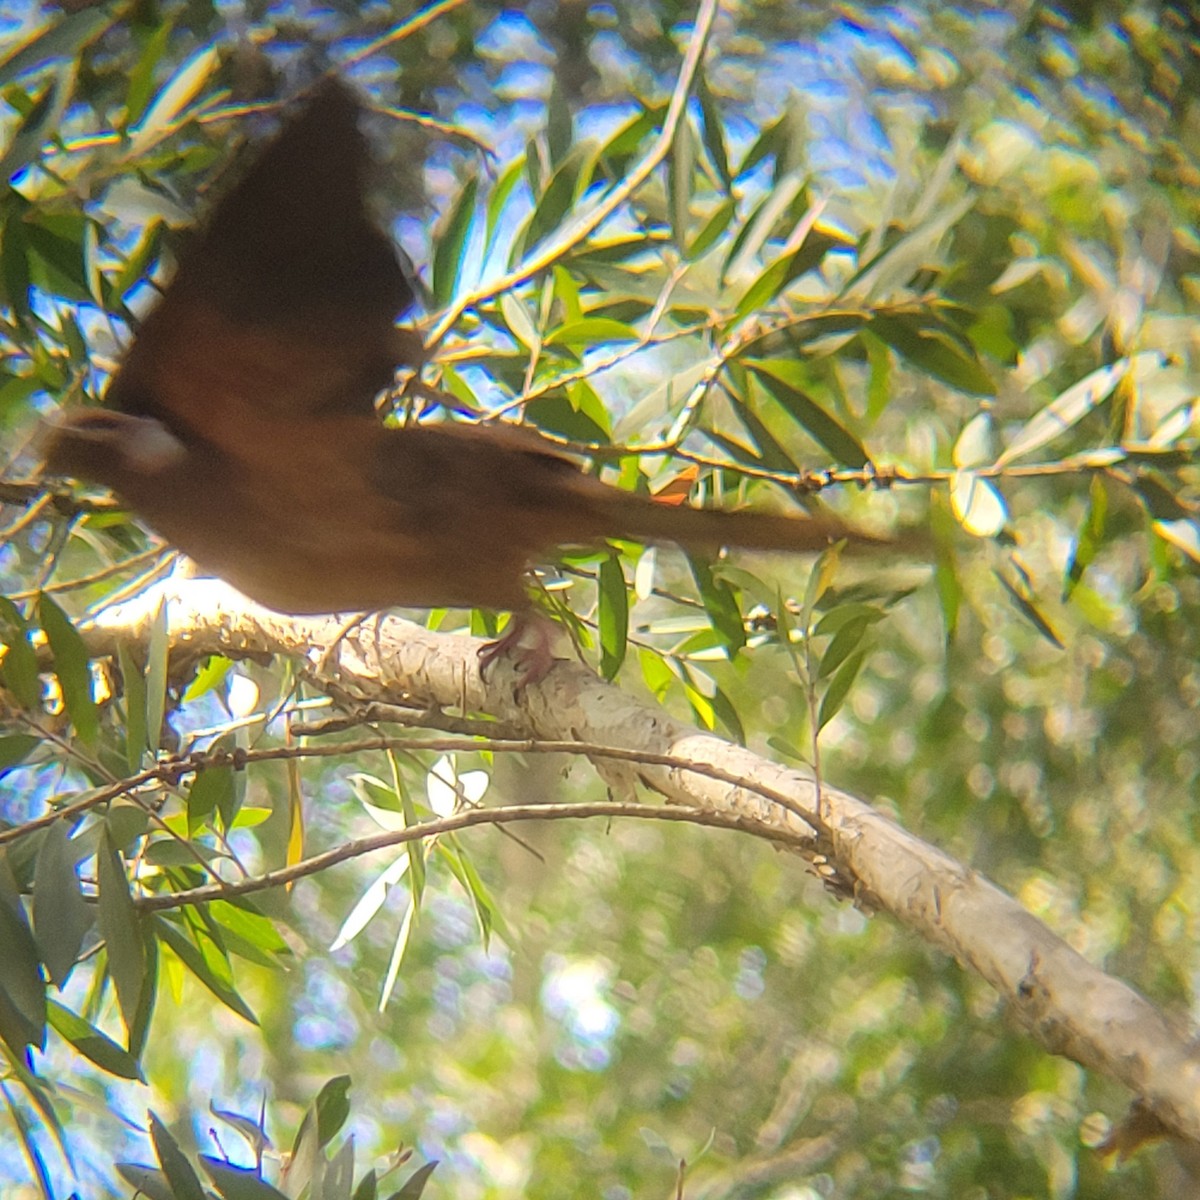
(242, 426)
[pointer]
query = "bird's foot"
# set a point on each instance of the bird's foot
(527, 641)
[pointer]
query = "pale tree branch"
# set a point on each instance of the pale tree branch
(1071, 1006)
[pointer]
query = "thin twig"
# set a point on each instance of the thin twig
(465, 820)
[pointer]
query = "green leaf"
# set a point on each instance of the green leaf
(39, 123)
(519, 323)
(720, 604)
(1071, 406)
(333, 1108)
(368, 1187)
(61, 916)
(207, 961)
(14, 257)
(141, 1020)
(844, 643)
(588, 332)
(16, 748)
(57, 245)
(839, 688)
(185, 1183)
(555, 202)
(451, 243)
(788, 267)
(1030, 611)
(772, 453)
(142, 77)
(95, 1046)
(1090, 537)
(174, 96)
(932, 346)
(809, 415)
(712, 229)
(19, 669)
(238, 1183)
(613, 616)
(210, 676)
(62, 40)
(499, 195)
(148, 1182)
(133, 683)
(212, 789)
(156, 678)
(681, 169)
(487, 914)
(260, 931)
(414, 1185)
(726, 712)
(22, 991)
(712, 131)
(121, 930)
(978, 504)
(72, 669)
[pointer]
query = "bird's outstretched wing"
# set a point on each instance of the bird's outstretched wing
(285, 301)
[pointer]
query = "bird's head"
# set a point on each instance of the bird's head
(108, 447)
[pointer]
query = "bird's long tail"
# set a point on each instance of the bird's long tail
(630, 515)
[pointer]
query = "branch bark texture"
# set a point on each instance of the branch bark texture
(1071, 1006)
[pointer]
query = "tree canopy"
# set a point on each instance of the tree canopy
(852, 876)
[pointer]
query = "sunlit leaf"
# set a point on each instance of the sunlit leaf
(975, 445)
(518, 321)
(156, 677)
(1071, 406)
(64, 39)
(590, 331)
(1184, 535)
(37, 125)
(977, 504)
(451, 244)
(176, 94)
(204, 959)
(499, 195)
(370, 902)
